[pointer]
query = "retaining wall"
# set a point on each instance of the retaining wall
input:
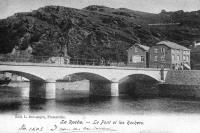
(181, 83)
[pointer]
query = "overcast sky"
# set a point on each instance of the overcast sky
(9, 7)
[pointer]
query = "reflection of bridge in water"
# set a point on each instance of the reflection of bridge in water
(104, 80)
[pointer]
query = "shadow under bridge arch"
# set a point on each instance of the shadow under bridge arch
(139, 85)
(29, 76)
(86, 83)
(38, 86)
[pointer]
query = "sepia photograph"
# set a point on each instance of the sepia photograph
(99, 66)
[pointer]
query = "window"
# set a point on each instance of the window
(186, 52)
(173, 57)
(178, 58)
(156, 58)
(187, 58)
(155, 50)
(184, 58)
(136, 58)
(162, 50)
(142, 59)
(162, 58)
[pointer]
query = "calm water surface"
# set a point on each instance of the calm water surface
(12, 101)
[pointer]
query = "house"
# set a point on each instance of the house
(138, 56)
(169, 55)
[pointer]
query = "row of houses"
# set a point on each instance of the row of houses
(164, 54)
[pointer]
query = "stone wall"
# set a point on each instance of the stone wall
(179, 91)
(181, 83)
(183, 77)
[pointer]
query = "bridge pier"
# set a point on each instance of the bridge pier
(43, 89)
(114, 89)
(99, 88)
(50, 87)
(102, 88)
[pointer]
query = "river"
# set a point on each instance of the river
(13, 101)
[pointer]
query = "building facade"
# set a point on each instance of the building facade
(138, 56)
(169, 55)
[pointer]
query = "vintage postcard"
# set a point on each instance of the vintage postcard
(99, 66)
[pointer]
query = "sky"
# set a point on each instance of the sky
(9, 7)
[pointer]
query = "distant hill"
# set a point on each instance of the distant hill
(94, 31)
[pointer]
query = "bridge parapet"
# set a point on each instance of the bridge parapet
(78, 66)
(61, 61)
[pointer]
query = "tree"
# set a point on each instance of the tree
(44, 48)
(163, 11)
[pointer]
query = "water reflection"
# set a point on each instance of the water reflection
(12, 101)
(37, 104)
(8, 106)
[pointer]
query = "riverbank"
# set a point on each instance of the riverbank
(181, 84)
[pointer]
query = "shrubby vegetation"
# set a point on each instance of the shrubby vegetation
(95, 31)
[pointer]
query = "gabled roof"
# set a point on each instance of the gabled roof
(172, 45)
(145, 48)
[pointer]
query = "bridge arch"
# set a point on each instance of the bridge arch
(138, 85)
(81, 84)
(39, 87)
(30, 76)
(140, 76)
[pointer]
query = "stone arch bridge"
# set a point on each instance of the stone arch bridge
(44, 76)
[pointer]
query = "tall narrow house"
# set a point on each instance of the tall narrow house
(138, 56)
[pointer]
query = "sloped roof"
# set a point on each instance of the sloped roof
(172, 45)
(146, 48)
